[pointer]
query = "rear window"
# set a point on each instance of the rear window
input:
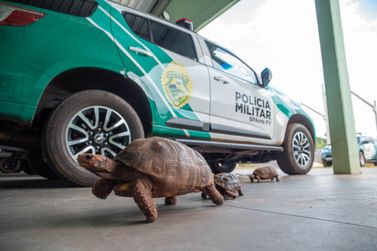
(174, 40)
(165, 36)
(138, 25)
(81, 8)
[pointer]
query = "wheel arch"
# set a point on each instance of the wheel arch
(298, 118)
(80, 79)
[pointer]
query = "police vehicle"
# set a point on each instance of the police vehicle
(90, 76)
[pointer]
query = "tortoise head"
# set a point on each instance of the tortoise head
(96, 163)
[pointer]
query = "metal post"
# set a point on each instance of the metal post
(342, 126)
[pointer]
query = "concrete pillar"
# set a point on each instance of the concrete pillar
(338, 93)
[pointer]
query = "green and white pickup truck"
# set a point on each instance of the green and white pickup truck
(92, 75)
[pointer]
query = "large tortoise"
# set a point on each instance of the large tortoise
(151, 168)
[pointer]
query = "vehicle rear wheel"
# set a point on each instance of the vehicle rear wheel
(222, 167)
(362, 159)
(27, 169)
(92, 121)
(39, 166)
(298, 154)
(10, 165)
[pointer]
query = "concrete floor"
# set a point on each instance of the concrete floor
(318, 211)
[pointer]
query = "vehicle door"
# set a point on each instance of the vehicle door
(167, 61)
(239, 106)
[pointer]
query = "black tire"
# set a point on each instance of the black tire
(10, 165)
(326, 163)
(39, 166)
(286, 160)
(222, 167)
(55, 141)
(362, 159)
(27, 168)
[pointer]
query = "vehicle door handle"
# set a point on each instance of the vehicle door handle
(220, 79)
(140, 51)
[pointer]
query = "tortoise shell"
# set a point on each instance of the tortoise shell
(228, 181)
(267, 172)
(171, 166)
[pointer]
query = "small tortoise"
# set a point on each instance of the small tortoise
(152, 168)
(227, 184)
(264, 173)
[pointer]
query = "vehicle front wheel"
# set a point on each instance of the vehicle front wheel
(39, 166)
(362, 159)
(92, 121)
(298, 154)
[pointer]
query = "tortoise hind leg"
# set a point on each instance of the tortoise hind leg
(212, 192)
(103, 187)
(277, 178)
(141, 191)
(171, 200)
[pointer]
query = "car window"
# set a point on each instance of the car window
(138, 24)
(227, 62)
(162, 35)
(172, 39)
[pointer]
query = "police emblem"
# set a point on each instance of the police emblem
(177, 85)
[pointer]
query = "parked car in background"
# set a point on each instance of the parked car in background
(367, 151)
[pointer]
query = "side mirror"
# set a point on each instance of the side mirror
(266, 76)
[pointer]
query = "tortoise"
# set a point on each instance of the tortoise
(227, 184)
(264, 173)
(151, 168)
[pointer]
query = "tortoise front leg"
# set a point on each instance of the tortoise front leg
(144, 200)
(240, 192)
(204, 196)
(171, 200)
(212, 192)
(103, 187)
(225, 192)
(231, 194)
(141, 190)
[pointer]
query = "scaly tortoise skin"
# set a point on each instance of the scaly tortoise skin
(264, 173)
(152, 168)
(227, 184)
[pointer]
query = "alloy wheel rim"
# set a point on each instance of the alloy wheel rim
(97, 130)
(301, 149)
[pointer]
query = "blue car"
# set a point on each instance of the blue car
(367, 151)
